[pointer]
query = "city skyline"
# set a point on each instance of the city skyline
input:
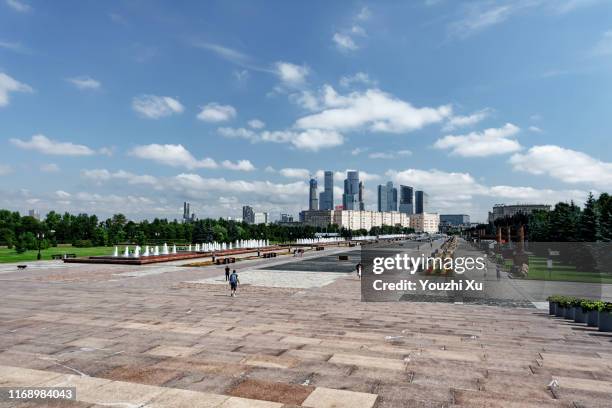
(140, 108)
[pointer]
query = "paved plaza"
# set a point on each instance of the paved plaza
(296, 335)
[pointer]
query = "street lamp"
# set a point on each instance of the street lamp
(40, 236)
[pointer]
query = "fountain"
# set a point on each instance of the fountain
(165, 249)
(174, 249)
(189, 248)
(126, 253)
(156, 251)
(116, 252)
(136, 253)
(146, 252)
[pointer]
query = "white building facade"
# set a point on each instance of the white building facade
(425, 222)
(354, 220)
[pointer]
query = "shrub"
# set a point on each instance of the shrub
(588, 305)
(82, 243)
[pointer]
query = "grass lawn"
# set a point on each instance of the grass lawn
(538, 270)
(9, 255)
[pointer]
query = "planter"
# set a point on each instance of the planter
(569, 312)
(580, 316)
(552, 308)
(605, 321)
(593, 318)
(560, 311)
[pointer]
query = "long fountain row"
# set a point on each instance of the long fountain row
(204, 247)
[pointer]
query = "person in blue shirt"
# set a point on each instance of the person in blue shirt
(234, 281)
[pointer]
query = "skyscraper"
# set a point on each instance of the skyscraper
(406, 201)
(326, 198)
(421, 201)
(351, 196)
(361, 195)
(313, 201)
(387, 197)
(248, 215)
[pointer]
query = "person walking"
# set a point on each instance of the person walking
(227, 273)
(498, 271)
(359, 267)
(234, 281)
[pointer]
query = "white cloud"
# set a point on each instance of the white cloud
(308, 139)
(305, 99)
(238, 133)
(469, 120)
(8, 85)
(536, 195)
(172, 155)
(604, 45)
(102, 175)
(358, 78)
(344, 42)
(62, 194)
(290, 74)
(256, 124)
(43, 144)
(303, 174)
(381, 155)
(5, 169)
(196, 184)
(569, 166)
(49, 168)
(13, 46)
(492, 141)
(374, 110)
(364, 14)
(240, 165)
(390, 155)
(155, 107)
(19, 5)
(214, 112)
(535, 129)
(358, 150)
(85, 82)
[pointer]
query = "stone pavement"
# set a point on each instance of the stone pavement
(130, 339)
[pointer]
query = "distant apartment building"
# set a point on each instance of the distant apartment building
(326, 198)
(406, 200)
(354, 219)
(260, 218)
(421, 202)
(503, 211)
(248, 215)
(425, 222)
(313, 201)
(34, 214)
(387, 197)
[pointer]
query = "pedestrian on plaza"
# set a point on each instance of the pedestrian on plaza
(498, 271)
(359, 267)
(227, 273)
(234, 281)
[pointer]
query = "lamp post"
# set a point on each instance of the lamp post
(40, 236)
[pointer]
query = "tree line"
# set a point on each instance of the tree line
(566, 222)
(83, 230)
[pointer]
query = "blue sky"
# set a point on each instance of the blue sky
(135, 106)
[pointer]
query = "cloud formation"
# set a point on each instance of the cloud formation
(492, 141)
(566, 165)
(44, 145)
(214, 112)
(8, 85)
(85, 82)
(156, 107)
